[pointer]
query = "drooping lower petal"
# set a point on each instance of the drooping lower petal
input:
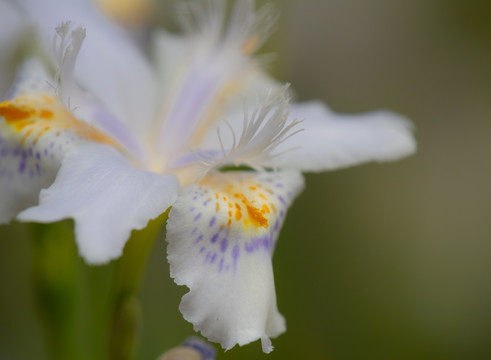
(106, 196)
(222, 234)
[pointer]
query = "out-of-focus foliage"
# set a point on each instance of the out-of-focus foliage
(378, 262)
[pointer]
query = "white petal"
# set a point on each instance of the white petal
(68, 42)
(263, 130)
(221, 235)
(106, 196)
(109, 64)
(208, 71)
(36, 131)
(330, 141)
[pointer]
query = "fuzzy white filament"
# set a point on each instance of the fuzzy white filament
(262, 131)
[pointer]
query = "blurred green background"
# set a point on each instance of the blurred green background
(380, 261)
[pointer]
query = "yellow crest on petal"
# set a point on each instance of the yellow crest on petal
(33, 116)
(246, 201)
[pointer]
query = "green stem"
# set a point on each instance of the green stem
(128, 274)
(55, 276)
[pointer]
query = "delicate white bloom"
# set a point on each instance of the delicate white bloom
(92, 130)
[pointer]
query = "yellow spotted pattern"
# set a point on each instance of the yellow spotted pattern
(242, 200)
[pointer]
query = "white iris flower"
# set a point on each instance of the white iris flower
(95, 130)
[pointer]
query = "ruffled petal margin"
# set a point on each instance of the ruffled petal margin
(221, 236)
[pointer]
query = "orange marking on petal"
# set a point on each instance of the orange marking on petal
(46, 114)
(48, 99)
(257, 217)
(250, 44)
(26, 135)
(218, 207)
(238, 212)
(13, 113)
(42, 110)
(251, 208)
(46, 128)
(22, 124)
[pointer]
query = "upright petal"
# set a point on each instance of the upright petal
(109, 65)
(106, 196)
(214, 70)
(221, 235)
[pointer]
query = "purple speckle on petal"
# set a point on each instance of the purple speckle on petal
(202, 250)
(196, 218)
(235, 253)
(199, 239)
(212, 221)
(223, 245)
(282, 200)
(213, 258)
(256, 244)
(22, 166)
(214, 238)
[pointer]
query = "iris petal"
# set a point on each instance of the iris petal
(222, 234)
(36, 131)
(106, 196)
